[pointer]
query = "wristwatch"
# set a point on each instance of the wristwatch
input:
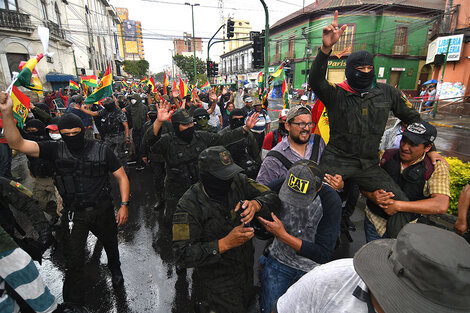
(126, 203)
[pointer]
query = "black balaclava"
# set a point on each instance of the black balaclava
(152, 116)
(109, 105)
(68, 121)
(215, 188)
(186, 135)
(40, 134)
(359, 81)
(235, 123)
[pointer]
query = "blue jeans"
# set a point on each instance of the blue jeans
(371, 232)
(5, 161)
(275, 279)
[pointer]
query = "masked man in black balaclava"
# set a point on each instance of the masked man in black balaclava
(81, 174)
(41, 170)
(201, 121)
(181, 148)
(212, 232)
(358, 110)
(114, 129)
(245, 152)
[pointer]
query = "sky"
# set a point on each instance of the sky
(163, 20)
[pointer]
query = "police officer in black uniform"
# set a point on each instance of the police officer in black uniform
(81, 175)
(181, 149)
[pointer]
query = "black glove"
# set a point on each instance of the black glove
(45, 237)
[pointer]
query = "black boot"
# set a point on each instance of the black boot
(116, 277)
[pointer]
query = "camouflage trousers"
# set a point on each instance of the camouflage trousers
(368, 179)
(47, 195)
(117, 143)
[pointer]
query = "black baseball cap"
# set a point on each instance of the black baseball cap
(181, 116)
(218, 162)
(421, 132)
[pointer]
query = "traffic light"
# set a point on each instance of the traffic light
(258, 49)
(212, 69)
(215, 69)
(230, 28)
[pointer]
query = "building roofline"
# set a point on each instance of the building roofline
(244, 47)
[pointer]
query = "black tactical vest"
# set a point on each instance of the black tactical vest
(182, 161)
(77, 177)
(40, 167)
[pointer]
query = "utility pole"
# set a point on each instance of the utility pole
(266, 43)
(434, 111)
(194, 37)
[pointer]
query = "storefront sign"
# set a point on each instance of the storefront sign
(439, 46)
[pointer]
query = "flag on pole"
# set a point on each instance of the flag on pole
(183, 88)
(35, 80)
(90, 81)
(144, 81)
(21, 105)
(278, 71)
(165, 83)
(124, 83)
(151, 83)
(264, 98)
(104, 88)
(25, 76)
(320, 118)
(134, 85)
(285, 94)
(86, 90)
(194, 94)
(260, 79)
(206, 85)
(73, 85)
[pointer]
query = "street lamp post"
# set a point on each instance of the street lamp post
(194, 37)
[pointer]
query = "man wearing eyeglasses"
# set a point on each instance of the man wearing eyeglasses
(299, 144)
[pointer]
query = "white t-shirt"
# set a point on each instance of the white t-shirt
(214, 116)
(325, 289)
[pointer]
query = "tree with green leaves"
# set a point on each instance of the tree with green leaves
(158, 77)
(187, 66)
(136, 68)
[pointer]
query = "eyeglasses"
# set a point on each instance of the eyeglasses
(201, 117)
(302, 124)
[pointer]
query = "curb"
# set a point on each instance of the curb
(449, 126)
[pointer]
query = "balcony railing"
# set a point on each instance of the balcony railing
(401, 50)
(15, 20)
(55, 30)
(290, 54)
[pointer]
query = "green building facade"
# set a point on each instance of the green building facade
(397, 36)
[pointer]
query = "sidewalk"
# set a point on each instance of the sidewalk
(449, 120)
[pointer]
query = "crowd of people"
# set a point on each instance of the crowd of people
(222, 175)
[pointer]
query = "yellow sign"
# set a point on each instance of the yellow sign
(131, 46)
(297, 184)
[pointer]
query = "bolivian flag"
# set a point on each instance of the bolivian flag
(260, 79)
(104, 88)
(151, 84)
(144, 81)
(90, 81)
(21, 105)
(73, 85)
(278, 71)
(285, 94)
(133, 85)
(320, 118)
(175, 86)
(34, 79)
(124, 83)
(183, 89)
(165, 83)
(206, 85)
(25, 76)
(194, 94)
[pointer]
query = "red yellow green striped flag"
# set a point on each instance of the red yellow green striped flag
(175, 86)
(151, 83)
(73, 85)
(104, 88)
(194, 94)
(25, 76)
(260, 79)
(21, 105)
(183, 89)
(285, 94)
(278, 71)
(165, 83)
(90, 81)
(134, 85)
(206, 85)
(124, 83)
(35, 80)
